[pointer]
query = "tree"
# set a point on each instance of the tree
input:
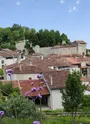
(1, 72)
(57, 37)
(21, 107)
(65, 38)
(73, 94)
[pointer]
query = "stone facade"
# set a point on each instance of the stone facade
(74, 48)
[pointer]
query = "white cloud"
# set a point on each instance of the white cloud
(73, 9)
(78, 1)
(18, 3)
(62, 1)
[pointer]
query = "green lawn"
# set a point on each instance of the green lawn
(49, 120)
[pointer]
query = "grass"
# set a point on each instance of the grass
(49, 120)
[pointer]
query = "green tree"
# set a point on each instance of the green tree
(21, 107)
(1, 72)
(65, 38)
(7, 89)
(57, 37)
(73, 94)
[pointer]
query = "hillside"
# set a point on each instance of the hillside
(9, 36)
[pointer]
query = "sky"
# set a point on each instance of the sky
(68, 16)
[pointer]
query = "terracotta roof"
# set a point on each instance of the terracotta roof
(84, 79)
(26, 69)
(73, 61)
(26, 86)
(11, 52)
(56, 79)
(79, 42)
(8, 53)
(58, 62)
(84, 67)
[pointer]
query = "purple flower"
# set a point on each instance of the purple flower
(1, 113)
(27, 93)
(36, 122)
(39, 76)
(39, 95)
(33, 89)
(9, 74)
(9, 70)
(40, 88)
(32, 83)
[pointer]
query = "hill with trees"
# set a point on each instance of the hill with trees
(11, 35)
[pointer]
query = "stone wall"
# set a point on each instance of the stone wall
(63, 49)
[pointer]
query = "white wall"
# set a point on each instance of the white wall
(56, 99)
(86, 92)
(7, 61)
(21, 76)
(74, 68)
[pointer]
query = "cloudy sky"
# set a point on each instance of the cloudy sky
(69, 16)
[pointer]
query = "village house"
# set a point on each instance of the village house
(52, 83)
(8, 57)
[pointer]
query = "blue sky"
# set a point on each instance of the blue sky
(69, 16)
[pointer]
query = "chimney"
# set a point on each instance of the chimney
(20, 67)
(30, 63)
(51, 80)
(41, 57)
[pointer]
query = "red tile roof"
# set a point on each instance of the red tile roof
(58, 79)
(84, 79)
(58, 62)
(80, 42)
(26, 69)
(73, 60)
(8, 53)
(26, 86)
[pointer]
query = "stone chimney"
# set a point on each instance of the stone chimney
(20, 67)
(51, 80)
(42, 57)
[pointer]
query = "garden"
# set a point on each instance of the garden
(18, 109)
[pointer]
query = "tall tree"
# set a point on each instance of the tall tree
(57, 37)
(73, 94)
(65, 38)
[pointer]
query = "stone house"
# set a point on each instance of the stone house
(8, 57)
(52, 84)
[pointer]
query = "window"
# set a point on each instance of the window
(2, 61)
(2, 66)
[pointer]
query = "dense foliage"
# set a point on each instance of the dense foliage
(73, 94)
(21, 107)
(11, 35)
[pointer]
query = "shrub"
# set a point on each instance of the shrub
(21, 107)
